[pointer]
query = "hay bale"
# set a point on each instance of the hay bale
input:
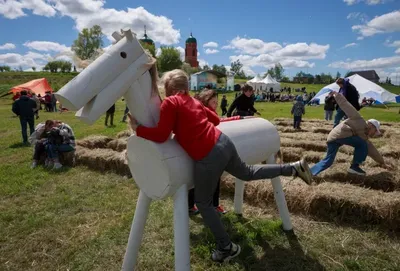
(293, 154)
(377, 178)
(94, 142)
(103, 160)
(118, 144)
(126, 133)
(328, 201)
(304, 144)
(301, 136)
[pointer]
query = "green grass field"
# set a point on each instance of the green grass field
(78, 219)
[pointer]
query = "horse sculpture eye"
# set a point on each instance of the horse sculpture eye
(123, 54)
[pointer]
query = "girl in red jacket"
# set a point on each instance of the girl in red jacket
(212, 151)
(209, 98)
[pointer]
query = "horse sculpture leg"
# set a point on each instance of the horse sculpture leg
(181, 229)
(238, 199)
(280, 200)
(136, 234)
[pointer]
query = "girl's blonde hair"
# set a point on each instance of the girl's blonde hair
(175, 81)
(205, 96)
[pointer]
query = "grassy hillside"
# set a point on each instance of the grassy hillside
(10, 79)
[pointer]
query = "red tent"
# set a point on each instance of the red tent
(38, 86)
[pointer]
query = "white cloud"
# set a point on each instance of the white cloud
(181, 51)
(13, 9)
(158, 52)
(46, 46)
(350, 45)
(28, 60)
(211, 44)
(386, 23)
(209, 51)
(377, 63)
(248, 71)
(252, 46)
(7, 46)
(351, 2)
(397, 51)
(368, 2)
(202, 63)
(267, 61)
(358, 16)
(303, 51)
(87, 13)
(255, 52)
(395, 43)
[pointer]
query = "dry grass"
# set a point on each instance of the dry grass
(117, 144)
(126, 133)
(103, 160)
(341, 203)
(94, 142)
(335, 195)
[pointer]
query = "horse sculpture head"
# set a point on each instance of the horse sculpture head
(122, 68)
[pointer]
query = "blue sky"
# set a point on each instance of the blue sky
(309, 35)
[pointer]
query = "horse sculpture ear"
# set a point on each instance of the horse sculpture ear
(116, 36)
(128, 34)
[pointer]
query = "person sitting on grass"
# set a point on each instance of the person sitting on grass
(39, 140)
(55, 137)
(209, 98)
(244, 103)
(354, 132)
(298, 110)
(212, 151)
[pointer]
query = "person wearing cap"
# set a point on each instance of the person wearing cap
(354, 132)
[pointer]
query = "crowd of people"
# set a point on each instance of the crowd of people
(193, 120)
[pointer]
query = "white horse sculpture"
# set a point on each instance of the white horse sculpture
(160, 170)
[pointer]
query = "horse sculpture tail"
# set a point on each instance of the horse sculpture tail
(279, 156)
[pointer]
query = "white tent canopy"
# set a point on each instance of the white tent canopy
(269, 82)
(366, 89)
(255, 82)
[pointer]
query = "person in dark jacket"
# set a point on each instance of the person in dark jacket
(244, 103)
(224, 105)
(24, 108)
(53, 103)
(329, 106)
(110, 114)
(352, 96)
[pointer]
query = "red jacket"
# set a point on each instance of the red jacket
(192, 123)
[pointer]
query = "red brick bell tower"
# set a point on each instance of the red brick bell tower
(191, 52)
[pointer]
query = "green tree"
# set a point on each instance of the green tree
(338, 75)
(150, 48)
(278, 71)
(219, 68)
(65, 66)
(271, 72)
(88, 42)
(5, 68)
(206, 68)
(236, 66)
(34, 69)
(188, 69)
(169, 59)
(285, 79)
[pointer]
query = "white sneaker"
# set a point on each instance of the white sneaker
(50, 164)
(34, 165)
(57, 166)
